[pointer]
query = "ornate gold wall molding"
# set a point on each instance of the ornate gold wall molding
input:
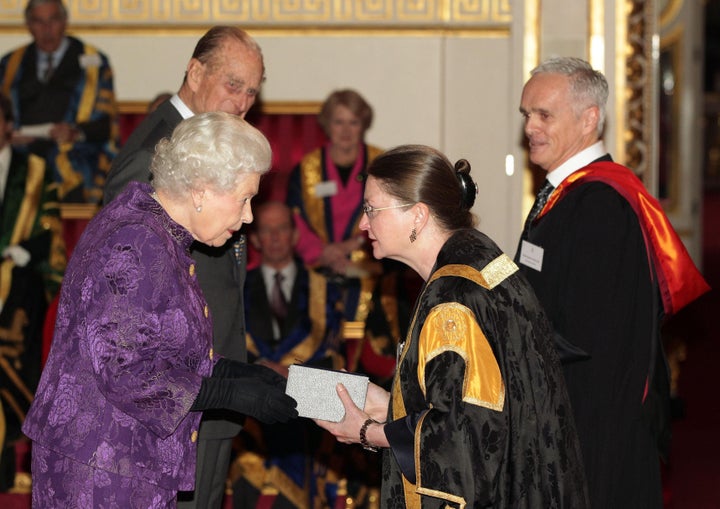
(531, 38)
(596, 36)
(447, 14)
(639, 97)
(669, 11)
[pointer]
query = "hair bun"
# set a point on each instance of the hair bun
(468, 188)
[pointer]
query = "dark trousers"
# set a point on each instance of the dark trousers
(213, 462)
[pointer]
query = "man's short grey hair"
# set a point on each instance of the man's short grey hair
(36, 3)
(211, 150)
(210, 47)
(588, 86)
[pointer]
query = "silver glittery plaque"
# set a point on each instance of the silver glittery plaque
(314, 391)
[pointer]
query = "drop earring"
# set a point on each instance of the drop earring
(413, 235)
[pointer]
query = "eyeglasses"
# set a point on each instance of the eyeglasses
(372, 211)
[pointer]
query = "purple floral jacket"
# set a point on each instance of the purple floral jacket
(132, 343)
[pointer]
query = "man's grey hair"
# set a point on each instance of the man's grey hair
(37, 3)
(209, 48)
(588, 86)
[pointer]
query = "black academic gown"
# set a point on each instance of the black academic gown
(480, 415)
(596, 287)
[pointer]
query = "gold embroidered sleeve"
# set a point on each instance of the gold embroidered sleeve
(451, 327)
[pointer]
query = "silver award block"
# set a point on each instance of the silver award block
(314, 391)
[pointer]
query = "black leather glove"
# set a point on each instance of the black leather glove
(249, 396)
(227, 368)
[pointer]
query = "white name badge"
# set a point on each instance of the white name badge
(89, 60)
(531, 255)
(325, 189)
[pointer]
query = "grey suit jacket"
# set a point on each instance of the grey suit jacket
(221, 271)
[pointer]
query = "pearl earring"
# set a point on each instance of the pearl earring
(198, 208)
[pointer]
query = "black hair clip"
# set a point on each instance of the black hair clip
(469, 189)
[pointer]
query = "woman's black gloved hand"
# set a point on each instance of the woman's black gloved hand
(227, 368)
(249, 396)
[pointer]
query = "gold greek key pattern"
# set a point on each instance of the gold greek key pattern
(279, 13)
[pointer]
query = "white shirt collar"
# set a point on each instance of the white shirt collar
(57, 56)
(58, 53)
(182, 108)
(5, 154)
(579, 160)
(289, 272)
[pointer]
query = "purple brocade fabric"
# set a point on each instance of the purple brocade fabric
(132, 342)
(83, 486)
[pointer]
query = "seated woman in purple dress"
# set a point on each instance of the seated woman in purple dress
(116, 415)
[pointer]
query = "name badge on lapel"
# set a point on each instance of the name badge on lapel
(531, 255)
(325, 189)
(89, 60)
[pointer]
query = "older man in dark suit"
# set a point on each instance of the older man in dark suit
(224, 74)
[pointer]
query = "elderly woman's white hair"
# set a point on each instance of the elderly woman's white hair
(211, 150)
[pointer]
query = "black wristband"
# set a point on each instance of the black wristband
(363, 438)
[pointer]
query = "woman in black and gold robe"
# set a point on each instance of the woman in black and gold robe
(478, 414)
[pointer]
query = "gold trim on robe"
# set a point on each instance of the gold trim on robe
(483, 384)
(12, 68)
(311, 171)
(31, 201)
(452, 327)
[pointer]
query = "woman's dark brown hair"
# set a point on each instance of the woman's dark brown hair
(418, 173)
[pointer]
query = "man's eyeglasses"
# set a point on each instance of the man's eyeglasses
(372, 211)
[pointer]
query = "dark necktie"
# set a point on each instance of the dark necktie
(540, 201)
(48, 68)
(278, 304)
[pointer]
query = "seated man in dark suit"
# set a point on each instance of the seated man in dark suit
(285, 326)
(64, 101)
(302, 332)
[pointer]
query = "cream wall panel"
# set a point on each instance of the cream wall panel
(479, 118)
(450, 92)
(564, 27)
(399, 76)
(9, 41)
(144, 66)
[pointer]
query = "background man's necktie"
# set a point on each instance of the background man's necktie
(540, 201)
(48, 67)
(278, 304)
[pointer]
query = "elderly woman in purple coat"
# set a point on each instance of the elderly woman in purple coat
(115, 418)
